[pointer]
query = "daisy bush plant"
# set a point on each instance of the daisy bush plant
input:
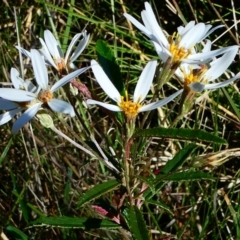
(133, 152)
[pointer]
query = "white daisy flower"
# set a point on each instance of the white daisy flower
(53, 54)
(199, 78)
(33, 100)
(180, 46)
(14, 108)
(130, 108)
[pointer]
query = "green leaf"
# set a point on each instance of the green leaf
(149, 193)
(68, 26)
(18, 234)
(159, 203)
(183, 176)
(149, 181)
(136, 223)
(5, 151)
(22, 203)
(178, 159)
(98, 191)
(68, 187)
(109, 65)
(182, 133)
(232, 104)
(71, 222)
(35, 209)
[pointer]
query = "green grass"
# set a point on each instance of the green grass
(49, 185)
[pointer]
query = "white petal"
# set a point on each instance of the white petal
(221, 84)
(138, 25)
(187, 68)
(197, 86)
(212, 30)
(16, 80)
(7, 116)
(147, 23)
(207, 46)
(211, 54)
(7, 105)
(81, 46)
(68, 78)
(23, 51)
(52, 45)
(25, 117)
(45, 52)
(16, 95)
(61, 106)
(155, 29)
(179, 74)
(104, 81)
(71, 45)
(220, 65)
(205, 33)
(72, 66)
(163, 53)
(145, 81)
(160, 103)
(111, 107)
(40, 70)
(192, 36)
(183, 30)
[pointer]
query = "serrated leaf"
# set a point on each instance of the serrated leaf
(109, 65)
(136, 223)
(184, 176)
(18, 234)
(152, 191)
(149, 181)
(71, 222)
(182, 133)
(98, 191)
(179, 158)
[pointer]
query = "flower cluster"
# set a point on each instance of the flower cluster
(180, 46)
(196, 69)
(26, 97)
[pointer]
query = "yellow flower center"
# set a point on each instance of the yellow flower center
(61, 66)
(178, 53)
(45, 96)
(130, 109)
(195, 75)
(190, 78)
